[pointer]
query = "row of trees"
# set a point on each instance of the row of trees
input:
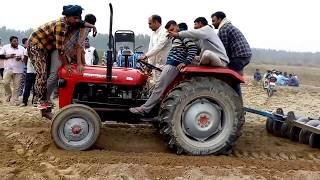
(265, 56)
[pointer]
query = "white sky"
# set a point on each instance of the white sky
(291, 25)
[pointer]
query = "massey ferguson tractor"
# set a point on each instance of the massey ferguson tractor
(199, 113)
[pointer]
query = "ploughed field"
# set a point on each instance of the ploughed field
(126, 151)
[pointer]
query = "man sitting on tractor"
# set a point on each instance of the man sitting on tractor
(182, 52)
(213, 52)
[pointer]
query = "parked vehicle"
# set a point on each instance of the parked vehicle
(271, 85)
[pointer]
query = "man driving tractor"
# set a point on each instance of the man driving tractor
(182, 53)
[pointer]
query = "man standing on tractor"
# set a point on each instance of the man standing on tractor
(238, 49)
(212, 52)
(47, 38)
(159, 45)
(182, 53)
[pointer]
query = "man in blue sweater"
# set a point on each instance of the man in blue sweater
(182, 52)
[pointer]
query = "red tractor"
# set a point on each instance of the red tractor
(199, 113)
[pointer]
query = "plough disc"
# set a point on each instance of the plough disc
(269, 125)
(304, 136)
(277, 128)
(284, 130)
(314, 140)
(301, 129)
(294, 133)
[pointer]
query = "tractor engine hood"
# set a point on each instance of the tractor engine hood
(97, 74)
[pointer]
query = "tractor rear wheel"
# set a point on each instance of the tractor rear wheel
(202, 116)
(75, 127)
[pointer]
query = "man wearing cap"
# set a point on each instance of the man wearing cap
(47, 38)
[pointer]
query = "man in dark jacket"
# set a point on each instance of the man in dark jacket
(237, 47)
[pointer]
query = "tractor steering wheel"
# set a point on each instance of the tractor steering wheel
(148, 65)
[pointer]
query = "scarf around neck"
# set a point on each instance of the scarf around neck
(223, 22)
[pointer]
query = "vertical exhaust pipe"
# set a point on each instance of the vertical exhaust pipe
(110, 49)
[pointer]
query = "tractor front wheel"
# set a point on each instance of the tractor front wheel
(75, 127)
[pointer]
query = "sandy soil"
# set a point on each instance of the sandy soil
(138, 152)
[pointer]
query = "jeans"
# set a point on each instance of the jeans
(52, 82)
(237, 64)
(30, 80)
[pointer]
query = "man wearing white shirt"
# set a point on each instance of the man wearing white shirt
(91, 54)
(13, 68)
(159, 45)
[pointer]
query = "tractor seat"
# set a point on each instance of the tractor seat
(127, 52)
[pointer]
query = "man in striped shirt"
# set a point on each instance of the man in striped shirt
(182, 53)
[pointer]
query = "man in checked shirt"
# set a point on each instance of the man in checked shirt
(50, 37)
(236, 45)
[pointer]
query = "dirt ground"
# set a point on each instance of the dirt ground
(138, 152)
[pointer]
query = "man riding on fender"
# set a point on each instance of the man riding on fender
(213, 52)
(237, 47)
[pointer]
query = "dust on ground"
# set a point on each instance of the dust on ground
(138, 152)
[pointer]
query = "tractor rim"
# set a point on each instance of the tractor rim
(202, 122)
(76, 131)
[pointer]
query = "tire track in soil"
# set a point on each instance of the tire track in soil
(142, 145)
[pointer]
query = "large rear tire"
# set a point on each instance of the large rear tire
(202, 116)
(75, 127)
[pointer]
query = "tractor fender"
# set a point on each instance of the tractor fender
(225, 74)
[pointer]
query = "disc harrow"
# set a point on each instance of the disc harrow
(305, 130)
